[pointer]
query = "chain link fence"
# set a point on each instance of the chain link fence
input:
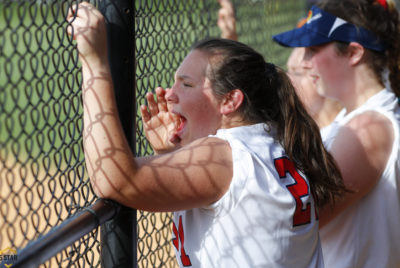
(43, 179)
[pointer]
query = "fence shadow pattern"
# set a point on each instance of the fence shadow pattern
(43, 179)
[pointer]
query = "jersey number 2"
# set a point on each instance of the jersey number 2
(179, 241)
(298, 190)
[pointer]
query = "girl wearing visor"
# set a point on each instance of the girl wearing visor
(352, 51)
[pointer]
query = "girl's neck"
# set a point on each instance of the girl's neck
(361, 98)
(365, 85)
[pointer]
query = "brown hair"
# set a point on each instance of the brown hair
(270, 98)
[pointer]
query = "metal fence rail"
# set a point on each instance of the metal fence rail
(62, 236)
(118, 236)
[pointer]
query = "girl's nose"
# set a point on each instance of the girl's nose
(170, 95)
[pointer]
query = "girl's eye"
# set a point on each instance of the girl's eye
(316, 48)
(187, 85)
(312, 49)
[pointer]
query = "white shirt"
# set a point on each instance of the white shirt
(367, 234)
(252, 224)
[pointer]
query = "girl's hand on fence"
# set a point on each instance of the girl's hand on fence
(227, 20)
(159, 123)
(89, 31)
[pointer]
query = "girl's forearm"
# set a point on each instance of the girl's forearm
(107, 152)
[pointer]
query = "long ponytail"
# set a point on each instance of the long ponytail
(300, 137)
(269, 97)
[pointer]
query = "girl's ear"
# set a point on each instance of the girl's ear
(232, 101)
(356, 52)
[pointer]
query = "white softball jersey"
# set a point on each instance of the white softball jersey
(367, 234)
(266, 218)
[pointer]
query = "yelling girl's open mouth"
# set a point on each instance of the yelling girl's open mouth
(180, 125)
(179, 128)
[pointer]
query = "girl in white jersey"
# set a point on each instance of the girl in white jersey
(352, 50)
(244, 168)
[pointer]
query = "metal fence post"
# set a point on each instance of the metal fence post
(118, 236)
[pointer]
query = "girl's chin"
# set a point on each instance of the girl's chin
(185, 140)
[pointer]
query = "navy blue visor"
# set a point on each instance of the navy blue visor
(322, 27)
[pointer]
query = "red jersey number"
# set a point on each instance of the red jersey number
(298, 190)
(178, 242)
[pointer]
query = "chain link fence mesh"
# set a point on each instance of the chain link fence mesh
(43, 179)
